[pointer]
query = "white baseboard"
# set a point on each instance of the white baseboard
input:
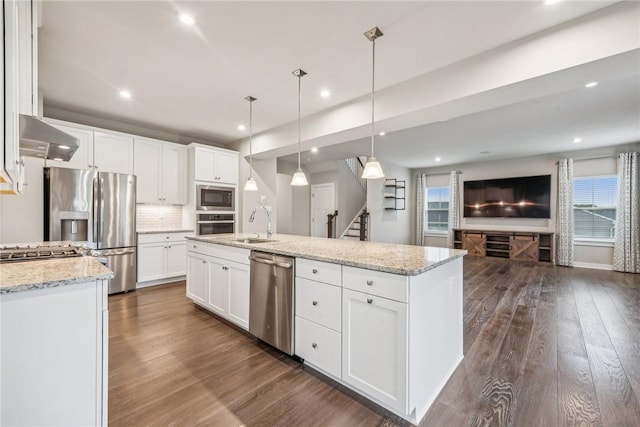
(159, 282)
(593, 265)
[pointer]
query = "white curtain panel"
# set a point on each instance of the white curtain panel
(564, 216)
(626, 248)
(420, 190)
(454, 206)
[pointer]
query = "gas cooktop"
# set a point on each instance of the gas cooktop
(35, 252)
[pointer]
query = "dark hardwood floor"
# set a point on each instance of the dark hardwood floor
(544, 346)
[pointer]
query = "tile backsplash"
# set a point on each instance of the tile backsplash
(158, 216)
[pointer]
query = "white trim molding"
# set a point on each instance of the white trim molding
(593, 265)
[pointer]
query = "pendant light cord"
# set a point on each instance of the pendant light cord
(250, 138)
(299, 144)
(373, 80)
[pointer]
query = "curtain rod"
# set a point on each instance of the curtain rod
(442, 173)
(592, 158)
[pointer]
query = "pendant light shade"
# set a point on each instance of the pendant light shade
(299, 178)
(251, 183)
(373, 170)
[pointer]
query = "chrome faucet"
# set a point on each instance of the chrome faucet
(267, 210)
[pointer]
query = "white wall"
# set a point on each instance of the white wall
(22, 215)
(284, 218)
(389, 226)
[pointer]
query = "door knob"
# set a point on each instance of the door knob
(369, 282)
(370, 300)
(314, 271)
(314, 345)
(315, 303)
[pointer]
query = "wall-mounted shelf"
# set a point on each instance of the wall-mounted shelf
(394, 191)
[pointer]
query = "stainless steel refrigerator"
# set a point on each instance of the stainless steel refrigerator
(97, 209)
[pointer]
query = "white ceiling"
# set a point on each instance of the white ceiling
(192, 81)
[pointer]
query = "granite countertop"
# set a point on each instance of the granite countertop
(164, 230)
(407, 260)
(50, 273)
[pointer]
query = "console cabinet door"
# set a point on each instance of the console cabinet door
(374, 347)
(197, 278)
(474, 244)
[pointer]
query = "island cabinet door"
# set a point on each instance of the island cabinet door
(218, 300)
(238, 294)
(374, 347)
(197, 278)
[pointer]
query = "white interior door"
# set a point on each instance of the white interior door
(322, 204)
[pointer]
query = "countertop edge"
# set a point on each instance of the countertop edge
(54, 283)
(374, 267)
(168, 230)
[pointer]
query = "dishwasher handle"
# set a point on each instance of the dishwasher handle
(269, 262)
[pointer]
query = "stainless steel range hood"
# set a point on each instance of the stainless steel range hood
(40, 139)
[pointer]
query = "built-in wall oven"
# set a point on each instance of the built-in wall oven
(212, 198)
(210, 223)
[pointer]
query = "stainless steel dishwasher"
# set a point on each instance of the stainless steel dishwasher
(271, 300)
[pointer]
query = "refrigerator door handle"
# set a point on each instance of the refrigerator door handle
(96, 209)
(112, 252)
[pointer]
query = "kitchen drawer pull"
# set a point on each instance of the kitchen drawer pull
(314, 345)
(314, 271)
(369, 282)
(315, 303)
(370, 300)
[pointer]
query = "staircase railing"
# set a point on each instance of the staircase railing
(357, 168)
(363, 216)
(331, 225)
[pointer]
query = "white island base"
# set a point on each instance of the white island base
(384, 320)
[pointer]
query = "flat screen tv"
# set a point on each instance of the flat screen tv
(521, 197)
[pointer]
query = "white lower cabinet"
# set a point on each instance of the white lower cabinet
(161, 257)
(226, 281)
(53, 356)
(197, 278)
(318, 346)
(374, 343)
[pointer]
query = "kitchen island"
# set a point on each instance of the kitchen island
(54, 341)
(383, 319)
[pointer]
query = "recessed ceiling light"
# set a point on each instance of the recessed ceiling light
(485, 152)
(551, 2)
(314, 149)
(325, 93)
(187, 19)
(242, 127)
(438, 159)
(63, 147)
(382, 133)
(58, 159)
(577, 140)
(591, 84)
(125, 94)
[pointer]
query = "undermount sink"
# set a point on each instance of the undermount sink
(254, 240)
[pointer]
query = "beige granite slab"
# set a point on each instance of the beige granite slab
(407, 260)
(50, 273)
(164, 230)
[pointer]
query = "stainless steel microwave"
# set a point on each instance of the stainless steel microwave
(211, 198)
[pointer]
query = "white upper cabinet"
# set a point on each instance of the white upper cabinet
(161, 170)
(214, 165)
(18, 72)
(113, 152)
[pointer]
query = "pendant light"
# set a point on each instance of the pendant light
(373, 170)
(299, 179)
(251, 183)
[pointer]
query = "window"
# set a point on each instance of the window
(437, 209)
(594, 207)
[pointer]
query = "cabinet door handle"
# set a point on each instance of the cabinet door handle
(314, 345)
(168, 247)
(204, 262)
(90, 166)
(370, 282)
(195, 247)
(314, 302)
(225, 268)
(369, 300)
(314, 271)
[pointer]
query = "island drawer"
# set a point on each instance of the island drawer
(319, 271)
(200, 247)
(319, 302)
(162, 237)
(319, 346)
(239, 255)
(386, 285)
